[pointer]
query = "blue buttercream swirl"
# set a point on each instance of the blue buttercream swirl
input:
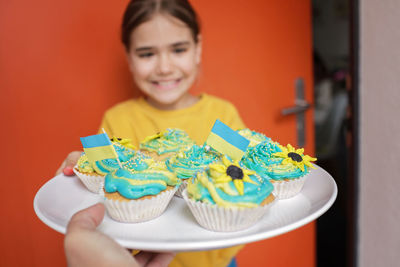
(129, 159)
(134, 185)
(196, 159)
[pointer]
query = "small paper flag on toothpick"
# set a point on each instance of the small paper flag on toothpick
(98, 147)
(227, 141)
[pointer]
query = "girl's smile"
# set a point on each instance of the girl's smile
(166, 84)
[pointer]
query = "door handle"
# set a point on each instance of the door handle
(300, 106)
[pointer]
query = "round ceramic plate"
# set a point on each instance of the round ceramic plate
(176, 229)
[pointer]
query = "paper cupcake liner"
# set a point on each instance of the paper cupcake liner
(220, 219)
(181, 188)
(92, 182)
(134, 211)
(289, 188)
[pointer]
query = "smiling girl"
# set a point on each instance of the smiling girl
(164, 57)
(163, 47)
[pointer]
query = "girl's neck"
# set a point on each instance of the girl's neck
(185, 101)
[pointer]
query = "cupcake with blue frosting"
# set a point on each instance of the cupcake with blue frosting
(137, 196)
(286, 167)
(166, 143)
(186, 164)
(228, 197)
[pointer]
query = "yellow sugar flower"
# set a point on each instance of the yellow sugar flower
(231, 171)
(154, 136)
(124, 142)
(295, 157)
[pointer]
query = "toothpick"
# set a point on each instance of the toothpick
(119, 162)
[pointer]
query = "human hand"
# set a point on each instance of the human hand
(154, 259)
(69, 163)
(85, 246)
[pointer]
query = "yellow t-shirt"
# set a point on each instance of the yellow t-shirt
(135, 119)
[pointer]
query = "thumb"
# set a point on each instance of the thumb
(72, 159)
(86, 246)
(87, 219)
(69, 163)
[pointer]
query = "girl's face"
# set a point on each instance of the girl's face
(164, 61)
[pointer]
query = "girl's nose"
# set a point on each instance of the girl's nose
(165, 65)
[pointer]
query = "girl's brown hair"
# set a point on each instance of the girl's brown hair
(139, 11)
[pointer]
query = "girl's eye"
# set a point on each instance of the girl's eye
(146, 55)
(180, 50)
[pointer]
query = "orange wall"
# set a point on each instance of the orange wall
(62, 65)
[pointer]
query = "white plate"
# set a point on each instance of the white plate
(176, 229)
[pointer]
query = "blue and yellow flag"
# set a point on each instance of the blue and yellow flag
(227, 141)
(98, 147)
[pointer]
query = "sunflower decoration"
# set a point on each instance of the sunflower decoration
(295, 157)
(231, 171)
(152, 137)
(124, 142)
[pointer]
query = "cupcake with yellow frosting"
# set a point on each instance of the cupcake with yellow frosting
(137, 196)
(285, 167)
(165, 144)
(228, 197)
(186, 164)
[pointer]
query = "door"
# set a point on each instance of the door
(254, 52)
(57, 53)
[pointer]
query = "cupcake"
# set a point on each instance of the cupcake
(92, 175)
(228, 197)
(186, 164)
(254, 137)
(138, 196)
(286, 167)
(165, 144)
